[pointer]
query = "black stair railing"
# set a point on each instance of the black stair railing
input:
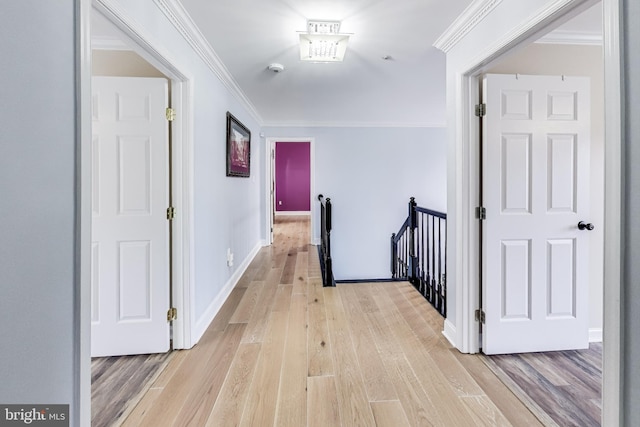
(400, 252)
(419, 254)
(325, 241)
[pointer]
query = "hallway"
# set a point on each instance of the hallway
(284, 351)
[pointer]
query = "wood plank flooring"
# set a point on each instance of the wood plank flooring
(563, 388)
(117, 384)
(284, 351)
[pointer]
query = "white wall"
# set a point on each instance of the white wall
(577, 60)
(38, 223)
(370, 174)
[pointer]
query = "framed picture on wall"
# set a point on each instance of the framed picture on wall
(238, 147)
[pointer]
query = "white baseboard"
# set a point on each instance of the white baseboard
(292, 213)
(317, 241)
(595, 335)
(449, 332)
(205, 320)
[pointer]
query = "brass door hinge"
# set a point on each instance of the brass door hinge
(171, 213)
(170, 114)
(172, 314)
(481, 212)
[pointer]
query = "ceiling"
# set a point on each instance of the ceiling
(408, 89)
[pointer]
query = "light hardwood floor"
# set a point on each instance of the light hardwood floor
(118, 382)
(284, 351)
(563, 388)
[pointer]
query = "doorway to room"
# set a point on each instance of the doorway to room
(292, 177)
(291, 184)
(121, 51)
(563, 58)
(131, 190)
(112, 35)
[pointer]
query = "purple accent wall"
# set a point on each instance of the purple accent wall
(293, 176)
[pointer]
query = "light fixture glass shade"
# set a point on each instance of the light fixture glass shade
(323, 47)
(323, 27)
(323, 42)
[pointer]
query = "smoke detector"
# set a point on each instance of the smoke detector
(275, 67)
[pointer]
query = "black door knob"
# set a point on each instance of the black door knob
(585, 226)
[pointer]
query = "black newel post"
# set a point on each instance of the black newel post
(327, 260)
(325, 241)
(394, 256)
(413, 256)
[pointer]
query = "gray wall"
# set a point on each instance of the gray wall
(630, 213)
(37, 208)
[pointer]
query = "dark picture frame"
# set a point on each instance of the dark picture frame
(238, 148)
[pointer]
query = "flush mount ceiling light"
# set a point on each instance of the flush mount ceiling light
(323, 42)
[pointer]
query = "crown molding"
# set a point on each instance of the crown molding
(572, 37)
(536, 23)
(108, 43)
(181, 20)
(354, 125)
(136, 33)
(464, 23)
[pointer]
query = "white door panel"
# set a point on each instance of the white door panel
(130, 231)
(536, 180)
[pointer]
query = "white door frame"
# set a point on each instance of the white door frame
(269, 145)
(181, 163)
(467, 336)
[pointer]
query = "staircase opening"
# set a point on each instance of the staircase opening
(419, 254)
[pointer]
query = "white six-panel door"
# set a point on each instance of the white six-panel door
(130, 288)
(536, 190)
